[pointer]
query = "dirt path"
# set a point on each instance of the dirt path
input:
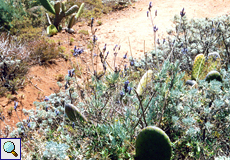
(134, 24)
(117, 27)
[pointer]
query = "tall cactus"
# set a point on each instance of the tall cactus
(152, 143)
(59, 10)
(198, 66)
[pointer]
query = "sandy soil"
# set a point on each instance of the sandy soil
(117, 27)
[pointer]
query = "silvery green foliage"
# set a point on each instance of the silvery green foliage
(222, 158)
(55, 150)
(197, 117)
(192, 37)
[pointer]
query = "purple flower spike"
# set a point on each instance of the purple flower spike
(95, 38)
(147, 13)
(182, 13)
(115, 47)
(104, 67)
(158, 41)
(73, 125)
(15, 105)
(125, 68)
(126, 86)
(132, 63)
(184, 50)
(28, 124)
(78, 51)
(155, 29)
(46, 98)
(129, 89)
(155, 12)
(104, 48)
(71, 72)
(150, 6)
(57, 112)
(125, 56)
(122, 93)
(92, 19)
(47, 108)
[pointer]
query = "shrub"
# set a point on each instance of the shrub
(43, 51)
(13, 65)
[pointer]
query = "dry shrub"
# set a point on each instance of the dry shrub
(44, 51)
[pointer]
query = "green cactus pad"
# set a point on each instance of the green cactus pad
(152, 143)
(146, 78)
(74, 114)
(51, 30)
(213, 75)
(71, 10)
(46, 4)
(57, 7)
(190, 82)
(63, 7)
(214, 55)
(79, 11)
(71, 21)
(198, 66)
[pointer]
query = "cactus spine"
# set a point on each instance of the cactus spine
(146, 78)
(152, 143)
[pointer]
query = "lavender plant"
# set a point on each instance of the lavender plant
(195, 119)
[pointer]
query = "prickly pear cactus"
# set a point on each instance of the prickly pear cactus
(213, 62)
(213, 75)
(59, 10)
(198, 66)
(153, 144)
(51, 30)
(146, 78)
(74, 114)
(190, 83)
(46, 4)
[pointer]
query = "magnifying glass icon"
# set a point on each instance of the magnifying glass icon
(9, 147)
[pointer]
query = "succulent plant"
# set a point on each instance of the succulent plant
(190, 83)
(213, 62)
(153, 144)
(215, 55)
(59, 10)
(51, 30)
(146, 78)
(74, 114)
(198, 66)
(213, 75)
